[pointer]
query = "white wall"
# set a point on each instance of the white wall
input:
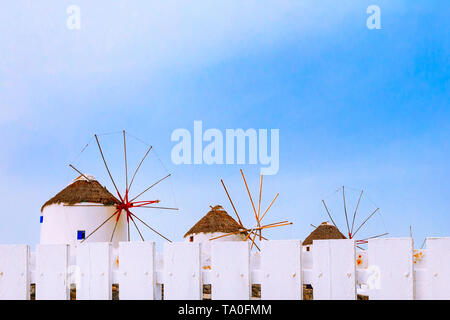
(61, 223)
(203, 238)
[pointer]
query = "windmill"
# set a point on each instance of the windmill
(124, 204)
(352, 228)
(255, 231)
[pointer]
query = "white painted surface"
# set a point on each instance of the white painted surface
(137, 270)
(61, 224)
(51, 268)
(182, 268)
(14, 272)
(231, 270)
(421, 279)
(159, 265)
(307, 259)
(334, 276)
(438, 250)
(282, 277)
(204, 239)
(94, 261)
(391, 264)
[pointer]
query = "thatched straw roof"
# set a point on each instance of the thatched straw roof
(216, 220)
(83, 191)
(324, 231)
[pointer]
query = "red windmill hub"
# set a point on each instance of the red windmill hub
(126, 205)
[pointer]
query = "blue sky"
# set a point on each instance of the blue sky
(363, 108)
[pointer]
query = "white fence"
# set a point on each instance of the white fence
(389, 269)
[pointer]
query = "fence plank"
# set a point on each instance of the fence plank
(51, 264)
(231, 270)
(421, 283)
(391, 267)
(438, 250)
(182, 271)
(94, 261)
(14, 272)
(334, 269)
(282, 272)
(137, 276)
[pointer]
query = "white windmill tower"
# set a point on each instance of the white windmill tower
(78, 209)
(216, 223)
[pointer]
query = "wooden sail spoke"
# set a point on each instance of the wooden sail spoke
(370, 216)
(229, 234)
(114, 230)
(106, 166)
(345, 212)
(231, 201)
(249, 195)
(89, 205)
(135, 225)
(161, 208)
(101, 225)
(82, 174)
(374, 237)
(145, 224)
(354, 214)
(253, 240)
(126, 165)
(150, 187)
(328, 212)
(271, 203)
(137, 169)
(259, 207)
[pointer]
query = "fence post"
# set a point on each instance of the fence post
(14, 272)
(52, 262)
(438, 265)
(391, 269)
(182, 271)
(94, 261)
(230, 270)
(137, 274)
(334, 269)
(281, 270)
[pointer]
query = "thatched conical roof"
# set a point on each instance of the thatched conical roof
(82, 190)
(216, 220)
(324, 231)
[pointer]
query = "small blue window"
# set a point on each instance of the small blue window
(81, 234)
(41, 219)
